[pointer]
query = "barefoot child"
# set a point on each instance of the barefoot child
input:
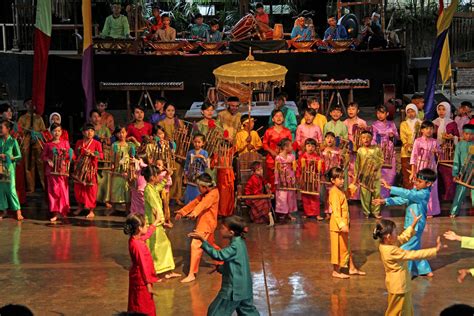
(397, 276)
(341, 256)
(197, 161)
(247, 140)
(236, 293)
(285, 200)
(416, 200)
(159, 244)
(87, 148)
(466, 242)
(142, 274)
(9, 155)
(260, 209)
(204, 209)
(57, 152)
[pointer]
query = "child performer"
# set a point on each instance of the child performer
(247, 140)
(289, 117)
(307, 130)
(285, 200)
(159, 244)
(463, 115)
(159, 115)
(460, 155)
(58, 186)
(204, 209)
(137, 188)
(142, 274)
(139, 127)
(207, 123)
(335, 125)
(353, 120)
(416, 200)
(165, 175)
(319, 119)
(408, 133)
(170, 124)
(236, 293)
(446, 130)
(260, 209)
(311, 203)
(341, 256)
(273, 135)
(423, 156)
(9, 155)
(197, 161)
(419, 101)
(122, 151)
(369, 153)
(385, 134)
(55, 117)
(466, 242)
(397, 277)
(225, 181)
(87, 148)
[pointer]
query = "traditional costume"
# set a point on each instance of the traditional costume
(336, 33)
(116, 27)
(407, 130)
(198, 31)
(194, 167)
(8, 196)
(225, 185)
(290, 120)
(337, 127)
(107, 119)
(137, 189)
(311, 202)
(120, 192)
(340, 253)
(285, 200)
(259, 208)
(241, 141)
(351, 124)
(374, 154)
(270, 141)
(229, 122)
(319, 120)
(102, 134)
(138, 133)
(305, 131)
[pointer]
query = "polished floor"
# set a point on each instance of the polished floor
(79, 267)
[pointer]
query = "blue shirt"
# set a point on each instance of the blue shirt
(339, 32)
(213, 37)
(157, 117)
(305, 34)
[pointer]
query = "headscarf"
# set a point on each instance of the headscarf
(51, 118)
(412, 122)
(443, 122)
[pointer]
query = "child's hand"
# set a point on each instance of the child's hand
(197, 235)
(192, 216)
(415, 218)
(450, 235)
(378, 202)
(50, 163)
(345, 229)
(178, 216)
(169, 171)
(462, 274)
(158, 221)
(385, 184)
(439, 245)
(149, 288)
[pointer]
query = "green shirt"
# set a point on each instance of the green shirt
(421, 114)
(116, 27)
(199, 31)
(338, 128)
(236, 276)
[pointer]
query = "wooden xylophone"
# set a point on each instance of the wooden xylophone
(346, 84)
(142, 86)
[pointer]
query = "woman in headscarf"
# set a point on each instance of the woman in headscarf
(446, 130)
(409, 130)
(55, 117)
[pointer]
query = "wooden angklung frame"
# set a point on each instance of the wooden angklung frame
(446, 156)
(183, 138)
(310, 181)
(61, 163)
(84, 170)
(4, 172)
(466, 174)
(284, 172)
(367, 174)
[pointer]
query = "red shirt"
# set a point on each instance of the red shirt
(138, 133)
(263, 18)
(306, 156)
(142, 271)
(272, 138)
(255, 185)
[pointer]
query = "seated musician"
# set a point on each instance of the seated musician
(116, 25)
(214, 35)
(261, 15)
(377, 38)
(335, 31)
(166, 33)
(199, 28)
(300, 32)
(155, 22)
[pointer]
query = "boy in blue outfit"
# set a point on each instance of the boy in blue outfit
(417, 200)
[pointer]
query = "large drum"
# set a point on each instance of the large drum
(245, 28)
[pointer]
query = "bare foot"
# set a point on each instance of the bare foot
(339, 275)
(90, 215)
(304, 216)
(291, 217)
(168, 224)
(3, 214)
(19, 216)
(108, 205)
(109, 211)
(356, 272)
(328, 216)
(189, 278)
(53, 219)
(452, 216)
(430, 275)
(320, 218)
(172, 275)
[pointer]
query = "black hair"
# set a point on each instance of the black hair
(427, 174)
(259, 5)
(245, 117)
(206, 105)
(468, 126)
(329, 134)
(274, 112)
(205, 177)
(168, 104)
(417, 96)
(383, 227)
(310, 111)
(198, 16)
(87, 126)
(4, 107)
(255, 165)
(118, 128)
(161, 99)
(458, 310)
(236, 224)
(94, 111)
(466, 103)
(334, 173)
(133, 223)
(15, 310)
(332, 17)
(381, 108)
(310, 141)
(54, 126)
(165, 15)
(354, 104)
(279, 98)
(365, 131)
(101, 101)
(149, 171)
(282, 143)
(202, 136)
(138, 106)
(233, 99)
(156, 8)
(282, 94)
(7, 124)
(311, 100)
(336, 108)
(156, 128)
(426, 124)
(213, 22)
(27, 99)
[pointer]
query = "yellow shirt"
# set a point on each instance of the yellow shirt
(25, 123)
(241, 141)
(406, 136)
(319, 120)
(339, 208)
(394, 259)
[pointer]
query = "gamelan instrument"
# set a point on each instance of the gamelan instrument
(61, 162)
(311, 173)
(4, 172)
(84, 170)
(183, 138)
(245, 28)
(346, 84)
(285, 176)
(213, 138)
(161, 150)
(416, 134)
(368, 173)
(446, 155)
(116, 45)
(332, 158)
(123, 165)
(466, 174)
(356, 133)
(426, 159)
(225, 90)
(106, 162)
(224, 155)
(196, 167)
(388, 152)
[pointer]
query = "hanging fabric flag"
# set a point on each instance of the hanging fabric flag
(87, 58)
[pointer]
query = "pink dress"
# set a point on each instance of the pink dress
(285, 199)
(58, 186)
(137, 190)
(422, 156)
(305, 131)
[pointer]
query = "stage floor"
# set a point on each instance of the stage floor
(80, 268)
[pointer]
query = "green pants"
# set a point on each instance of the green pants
(223, 307)
(366, 198)
(459, 197)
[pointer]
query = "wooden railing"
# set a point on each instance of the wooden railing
(461, 34)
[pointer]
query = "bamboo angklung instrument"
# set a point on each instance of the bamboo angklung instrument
(367, 174)
(213, 138)
(84, 170)
(466, 174)
(310, 181)
(4, 172)
(446, 156)
(61, 163)
(283, 172)
(183, 138)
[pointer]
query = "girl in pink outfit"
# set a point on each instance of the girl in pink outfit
(307, 130)
(137, 189)
(285, 177)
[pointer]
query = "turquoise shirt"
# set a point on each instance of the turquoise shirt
(116, 27)
(417, 200)
(460, 155)
(199, 31)
(290, 120)
(236, 276)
